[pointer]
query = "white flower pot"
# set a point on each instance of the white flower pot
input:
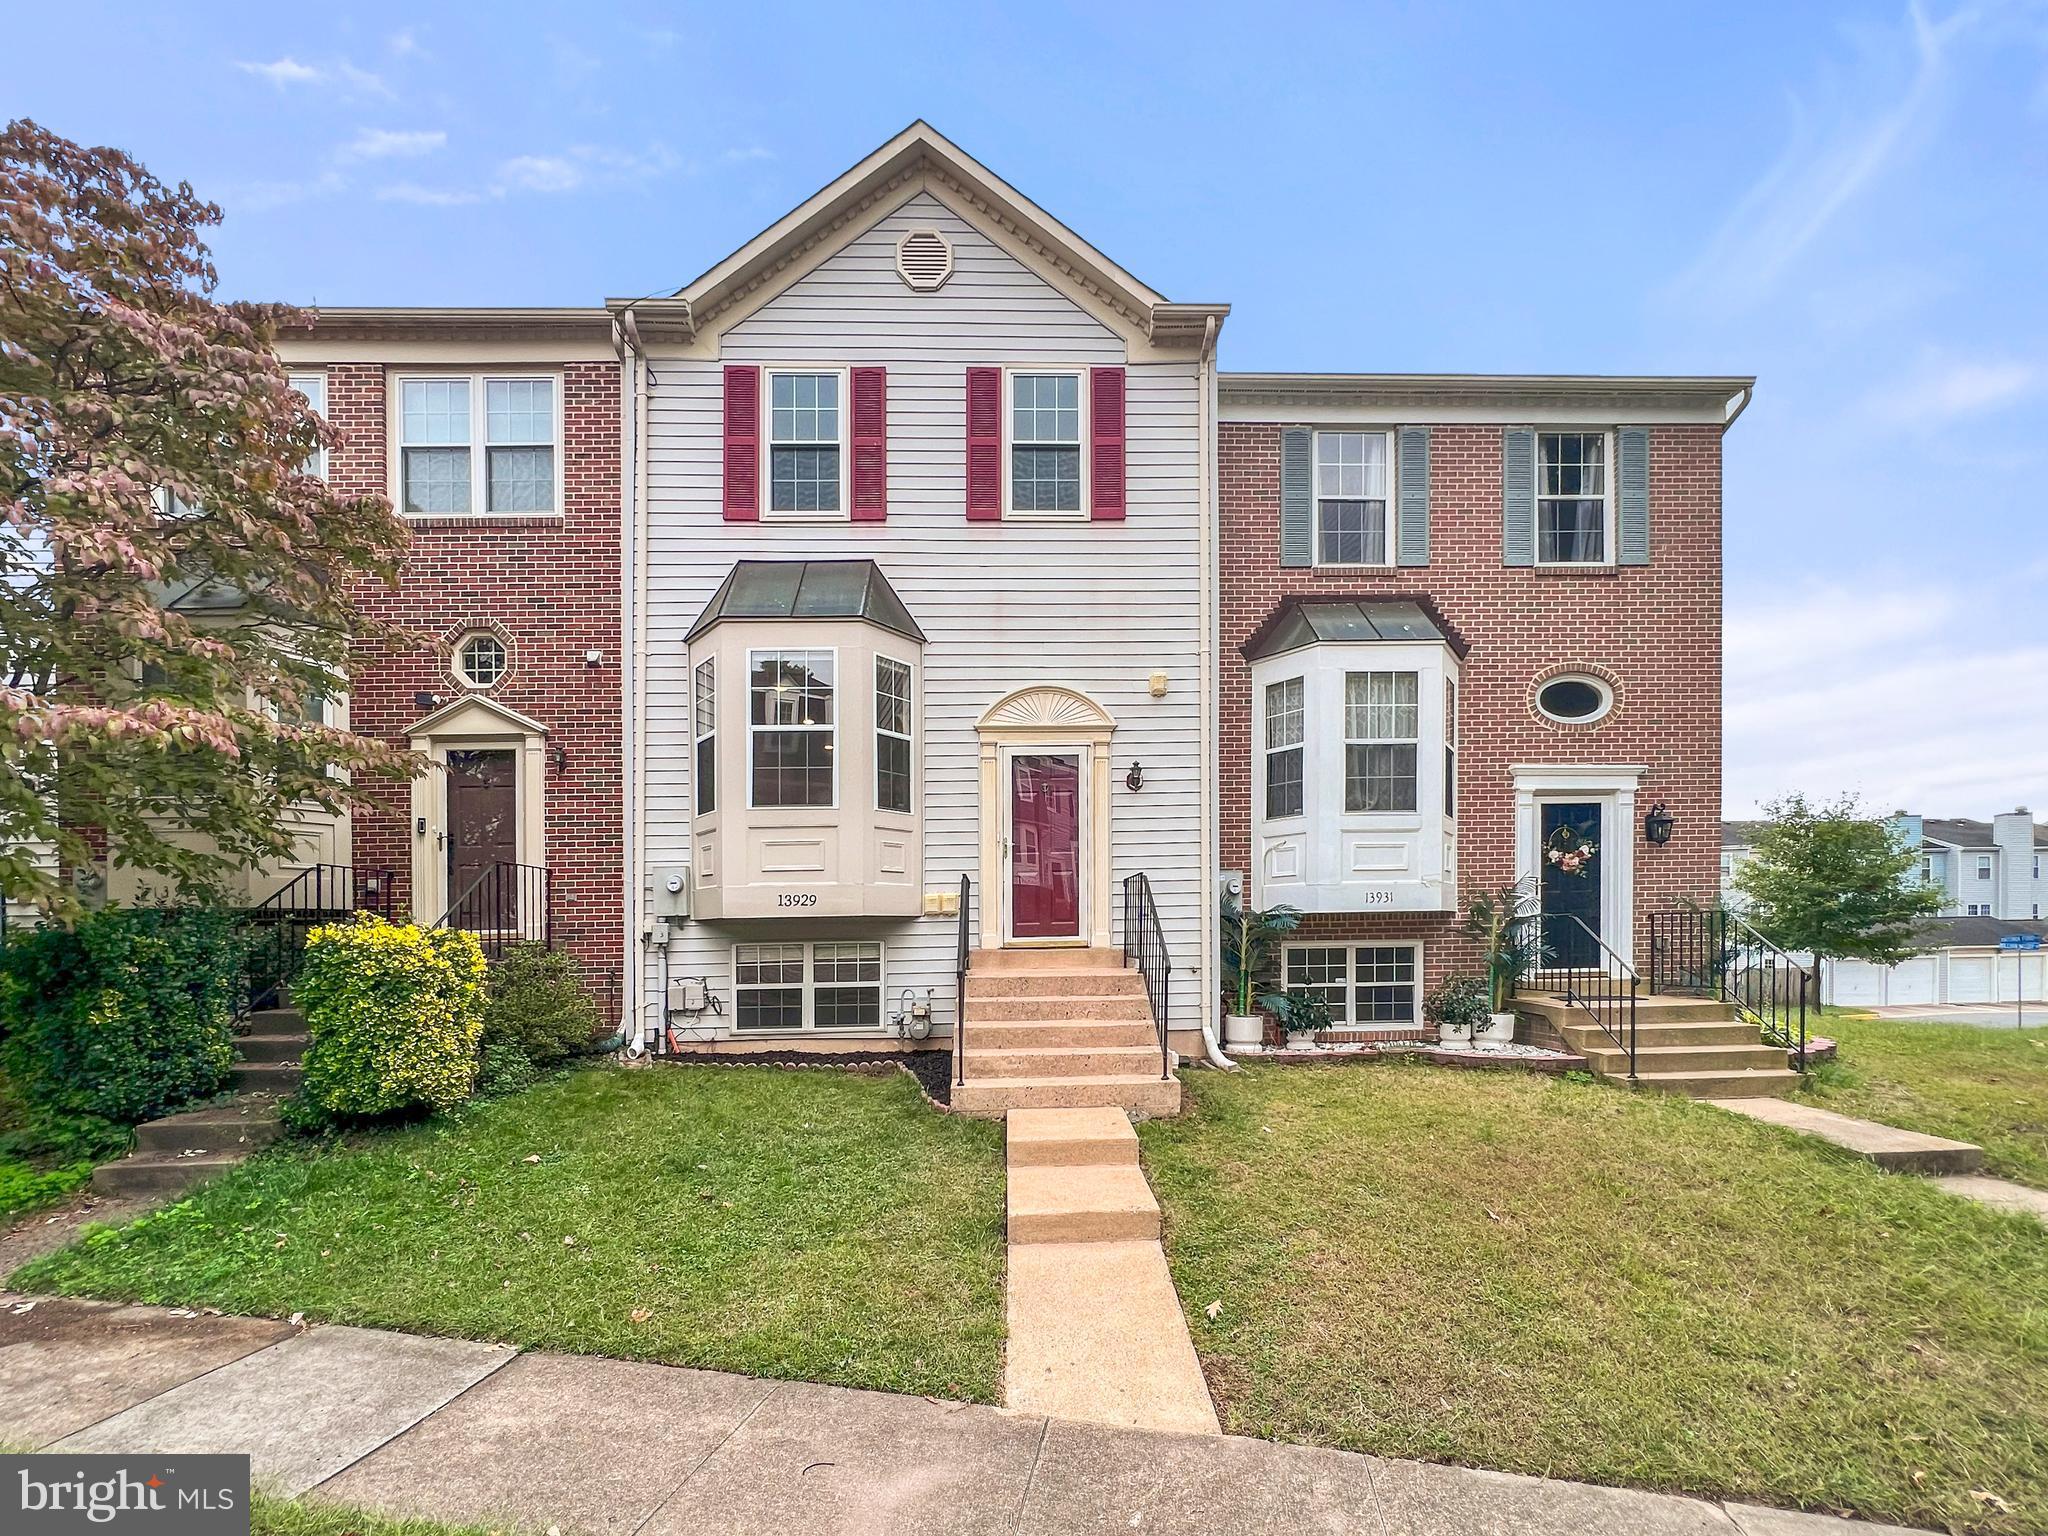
(1301, 1039)
(1243, 1029)
(1499, 1029)
(1454, 1034)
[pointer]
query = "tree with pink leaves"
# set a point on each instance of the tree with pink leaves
(175, 585)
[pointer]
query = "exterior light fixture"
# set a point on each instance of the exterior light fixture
(1135, 779)
(559, 756)
(425, 700)
(1658, 824)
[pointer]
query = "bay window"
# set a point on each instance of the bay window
(1283, 748)
(706, 733)
(1381, 713)
(892, 735)
(790, 731)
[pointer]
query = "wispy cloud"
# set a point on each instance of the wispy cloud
(1888, 689)
(283, 72)
(540, 173)
(392, 144)
(403, 44)
(1842, 141)
(1944, 390)
(546, 175)
(750, 153)
(287, 72)
(426, 197)
(260, 196)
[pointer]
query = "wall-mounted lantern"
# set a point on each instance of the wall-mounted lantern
(1658, 824)
(1135, 779)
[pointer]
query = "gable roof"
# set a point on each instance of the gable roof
(807, 589)
(1972, 932)
(919, 157)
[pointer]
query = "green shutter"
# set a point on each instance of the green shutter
(1518, 496)
(1297, 503)
(1633, 481)
(1411, 522)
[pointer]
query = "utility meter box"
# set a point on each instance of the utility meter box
(670, 896)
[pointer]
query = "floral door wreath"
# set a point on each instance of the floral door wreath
(1570, 849)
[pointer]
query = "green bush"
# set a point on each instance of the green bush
(125, 1017)
(535, 1001)
(503, 1068)
(393, 1013)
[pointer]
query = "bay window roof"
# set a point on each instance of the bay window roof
(808, 589)
(1299, 622)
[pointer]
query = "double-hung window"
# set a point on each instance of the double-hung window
(1382, 724)
(313, 387)
(1572, 498)
(478, 444)
(790, 730)
(1353, 472)
(1284, 735)
(1366, 985)
(1983, 866)
(806, 445)
(892, 735)
(820, 985)
(1450, 746)
(707, 735)
(1045, 442)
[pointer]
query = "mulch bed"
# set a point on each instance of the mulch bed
(932, 1069)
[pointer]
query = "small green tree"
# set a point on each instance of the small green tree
(1830, 879)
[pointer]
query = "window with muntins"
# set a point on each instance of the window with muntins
(791, 735)
(892, 735)
(1572, 494)
(1284, 735)
(805, 444)
(816, 986)
(313, 386)
(1366, 985)
(1353, 471)
(472, 443)
(1450, 746)
(707, 735)
(1382, 722)
(1045, 442)
(1983, 866)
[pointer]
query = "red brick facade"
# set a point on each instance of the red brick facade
(1654, 632)
(550, 587)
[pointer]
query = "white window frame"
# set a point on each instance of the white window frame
(1451, 687)
(700, 735)
(1977, 909)
(1350, 741)
(1350, 948)
(907, 737)
(1267, 750)
(1079, 372)
(1608, 530)
(1599, 685)
(479, 431)
(809, 988)
(316, 400)
(1983, 866)
(838, 713)
(769, 374)
(460, 661)
(1317, 498)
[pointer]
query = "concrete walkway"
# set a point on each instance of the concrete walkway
(468, 1432)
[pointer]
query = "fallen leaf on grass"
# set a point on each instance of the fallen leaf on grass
(568, 1242)
(1213, 1309)
(641, 1314)
(531, 1158)
(1991, 1501)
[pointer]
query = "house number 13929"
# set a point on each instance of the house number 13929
(797, 899)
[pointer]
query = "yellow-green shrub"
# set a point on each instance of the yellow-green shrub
(393, 1012)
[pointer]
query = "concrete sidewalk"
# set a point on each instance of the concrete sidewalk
(476, 1432)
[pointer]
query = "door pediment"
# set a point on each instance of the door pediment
(472, 715)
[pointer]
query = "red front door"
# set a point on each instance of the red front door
(1045, 846)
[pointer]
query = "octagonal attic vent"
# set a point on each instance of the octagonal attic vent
(924, 260)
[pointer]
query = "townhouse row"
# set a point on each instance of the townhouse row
(913, 579)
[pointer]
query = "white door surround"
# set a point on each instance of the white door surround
(473, 721)
(1613, 787)
(1048, 718)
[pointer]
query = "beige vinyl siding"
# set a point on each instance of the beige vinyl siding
(1093, 606)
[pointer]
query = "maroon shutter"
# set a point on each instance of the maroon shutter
(1106, 438)
(870, 445)
(742, 445)
(984, 445)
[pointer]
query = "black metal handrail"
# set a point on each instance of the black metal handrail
(1596, 980)
(962, 958)
(1145, 944)
(274, 930)
(506, 904)
(1711, 952)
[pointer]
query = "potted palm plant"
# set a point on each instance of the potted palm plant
(1507, 948)
(1250, 946)
(1303, 1014)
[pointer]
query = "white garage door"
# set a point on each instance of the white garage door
(1855, 984)
(1913, 981)
(1969, 979)
(2036, 974)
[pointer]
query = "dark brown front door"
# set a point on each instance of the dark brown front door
(483, 823)
(1045, 846)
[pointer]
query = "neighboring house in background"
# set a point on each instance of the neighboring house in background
(1469, 625)
(1991, 874)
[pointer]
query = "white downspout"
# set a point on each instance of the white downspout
(1206, 462)
(634, 598)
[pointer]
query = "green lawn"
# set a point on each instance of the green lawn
(1567, 1279)
(1989, 1086)
(814, 1225)
(269, 1516)
(44, 1160)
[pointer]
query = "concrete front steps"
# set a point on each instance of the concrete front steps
(1693, 1046)
(1095, 1326)
(178, 1151)
(1060, 1029)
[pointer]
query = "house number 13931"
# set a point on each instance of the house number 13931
(797, 899)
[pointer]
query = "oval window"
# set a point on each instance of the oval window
(1574, 700)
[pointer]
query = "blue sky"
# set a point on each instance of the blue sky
(1850, 201)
